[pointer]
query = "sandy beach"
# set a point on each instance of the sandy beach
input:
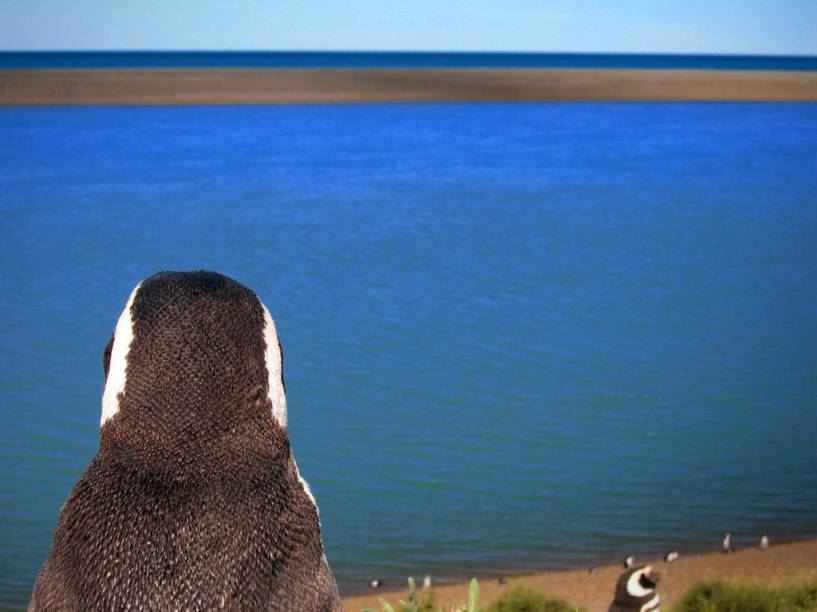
(129, 86)
(781, 562)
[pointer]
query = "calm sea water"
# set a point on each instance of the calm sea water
(380, 59)
(517, 335)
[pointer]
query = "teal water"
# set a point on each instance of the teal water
(517, 335)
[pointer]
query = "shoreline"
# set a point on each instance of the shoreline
(183, 86)
(782, 562)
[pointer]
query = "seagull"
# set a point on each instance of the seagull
(671, 556)
(726, 546)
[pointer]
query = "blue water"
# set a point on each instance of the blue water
(379, 59)
(517, 335)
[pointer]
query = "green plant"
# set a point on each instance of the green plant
(522, 599)
(412, 603)
(719, 596)
(473, 598)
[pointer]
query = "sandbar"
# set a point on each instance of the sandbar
(147, 86)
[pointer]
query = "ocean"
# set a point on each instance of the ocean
(394, 59)
(518, 335)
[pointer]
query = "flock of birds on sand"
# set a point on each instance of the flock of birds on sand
(629, 561)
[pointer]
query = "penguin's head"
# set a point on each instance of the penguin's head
(194, 358)
(636, 587)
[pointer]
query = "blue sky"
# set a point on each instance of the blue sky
(681, 26)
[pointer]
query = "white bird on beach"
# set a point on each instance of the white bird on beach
(629, 561)
(671, 556)
(764, 543)
(726, 546)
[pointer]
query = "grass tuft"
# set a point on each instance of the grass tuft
(719, 596)
(523, 599)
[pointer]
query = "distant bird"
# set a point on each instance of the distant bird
(502, 580)
(426, 583)
(764, 543)
(376, 583)
(726, 545)
(636, 591)
(671, 556)
(592, 571)
(629, 561)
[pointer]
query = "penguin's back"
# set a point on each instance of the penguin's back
(125, 539)
(194, 500)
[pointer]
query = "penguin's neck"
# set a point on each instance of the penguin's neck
(198, 448)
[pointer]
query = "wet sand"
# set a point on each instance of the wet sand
(780, 563)
(322, 85)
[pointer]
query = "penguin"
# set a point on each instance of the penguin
(376, 583)
(764, 543)
(636, 590)
(671, 556)
(629, 560)
(426, 583)
(726, 545)
(194, 500)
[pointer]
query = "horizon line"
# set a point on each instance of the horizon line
(420, 52)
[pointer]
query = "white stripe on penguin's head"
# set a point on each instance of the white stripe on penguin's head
(276, 394)
(115, 383)
(634, 587)
(275, 381)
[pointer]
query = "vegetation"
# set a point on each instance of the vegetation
(713, 596)
(522, 599)
(414, 604)
(718, 596)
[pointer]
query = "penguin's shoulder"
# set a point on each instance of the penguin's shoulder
(126, 535)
